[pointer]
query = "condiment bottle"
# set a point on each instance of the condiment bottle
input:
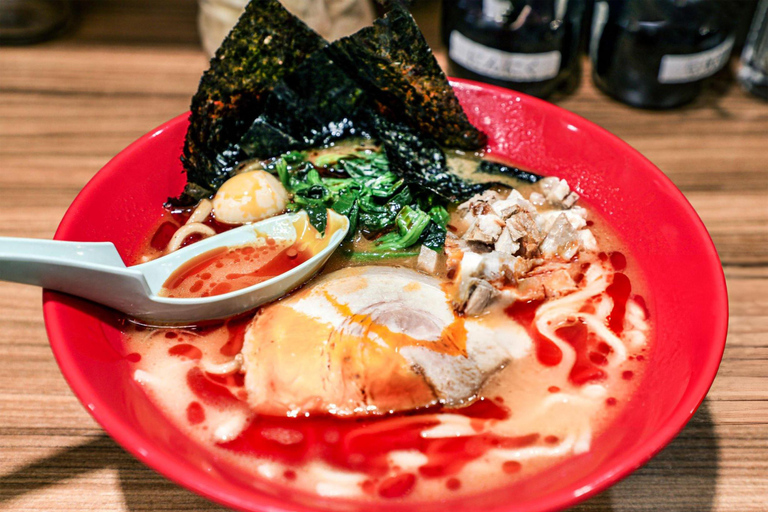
(527, 45)
(753, 74)
(657, 53)
(31, 21)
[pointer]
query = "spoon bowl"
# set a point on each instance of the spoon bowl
(95, 270)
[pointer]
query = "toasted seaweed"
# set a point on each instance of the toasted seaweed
(276, 86)
(394, 64)
(421, 160)
(312, 106)
(266, 44)
(507, 171)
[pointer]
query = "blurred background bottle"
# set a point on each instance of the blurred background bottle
(30, 21)
(527, 45)
(753, 74)
(657, 53)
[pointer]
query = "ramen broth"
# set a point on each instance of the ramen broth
(548, 405)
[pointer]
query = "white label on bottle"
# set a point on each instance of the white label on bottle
(599, 19)
(493, 63)
(496, 9)
(680, 69)
(560, 7)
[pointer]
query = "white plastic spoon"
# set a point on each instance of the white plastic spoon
(95, 271)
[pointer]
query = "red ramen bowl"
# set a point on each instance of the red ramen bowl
(658, 227)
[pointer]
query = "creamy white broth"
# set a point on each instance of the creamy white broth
(549, 416)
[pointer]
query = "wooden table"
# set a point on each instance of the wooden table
(69, 105)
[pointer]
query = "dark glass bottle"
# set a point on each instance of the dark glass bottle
(31, 21)
(658, 53)
(527, 45)
(753, 74)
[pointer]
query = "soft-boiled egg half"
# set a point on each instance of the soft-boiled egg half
(249, 197)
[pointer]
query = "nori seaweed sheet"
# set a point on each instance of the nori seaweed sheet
(267, 43)
(310, 107)
(275, 85)
(421, 160)
(393, 62)
(507, 171)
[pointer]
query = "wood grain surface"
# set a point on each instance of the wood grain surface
(68, 105)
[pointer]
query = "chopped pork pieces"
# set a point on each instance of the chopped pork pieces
(508, 248)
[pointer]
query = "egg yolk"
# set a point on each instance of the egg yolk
(249, 197)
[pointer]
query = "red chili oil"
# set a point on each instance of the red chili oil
(618, 261)
(547, 352)
(236, 335)
(364, 444)
(584, 368)
(619, 291)
(181, 215)
(211, 273)
(591, 352)
(173, 219)
(163, 235)
(195, 413)
(185, 351)
(208, 391)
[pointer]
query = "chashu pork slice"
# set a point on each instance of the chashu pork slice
(370, 340)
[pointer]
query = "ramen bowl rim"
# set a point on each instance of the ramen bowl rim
(179, 471)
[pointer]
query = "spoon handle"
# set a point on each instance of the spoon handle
(93, 270)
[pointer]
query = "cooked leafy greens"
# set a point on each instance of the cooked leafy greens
(361, 186)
